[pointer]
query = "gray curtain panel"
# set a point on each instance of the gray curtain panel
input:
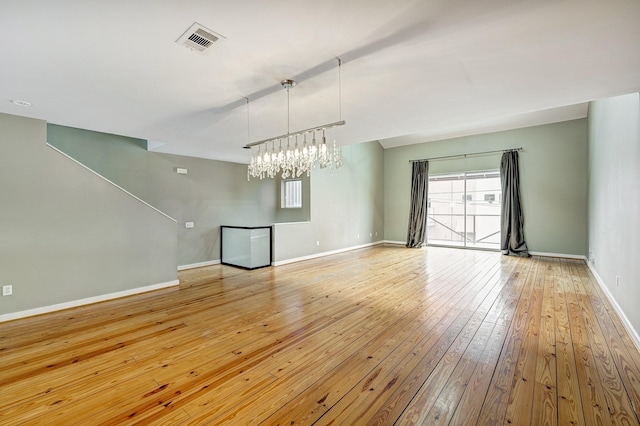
(512, 221)
(417, 232)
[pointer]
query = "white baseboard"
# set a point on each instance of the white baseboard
(395, 243)
(326, 253)
(625, 321)
(198, 265)
(534, 253)
(561, 255)
(87, 301)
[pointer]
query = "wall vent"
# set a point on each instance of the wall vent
(199, 38)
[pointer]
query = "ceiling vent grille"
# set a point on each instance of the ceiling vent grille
(199, 38)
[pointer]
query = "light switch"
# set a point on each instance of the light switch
(189, 224)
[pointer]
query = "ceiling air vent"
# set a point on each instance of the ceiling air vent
(198, 38)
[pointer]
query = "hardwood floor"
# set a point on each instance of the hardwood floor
(385, 335)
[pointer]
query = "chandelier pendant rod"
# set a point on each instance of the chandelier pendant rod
(340, 88)
(288, 111)
(248, 122)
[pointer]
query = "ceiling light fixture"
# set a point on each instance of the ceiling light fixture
(21, 103)
(292, 153)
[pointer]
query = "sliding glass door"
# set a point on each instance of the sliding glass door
(464, 210)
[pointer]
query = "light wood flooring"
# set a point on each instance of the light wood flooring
(385, 335)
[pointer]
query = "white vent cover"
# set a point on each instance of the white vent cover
(199, 38)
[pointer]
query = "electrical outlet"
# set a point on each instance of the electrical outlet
(370, 235)
(318, 243)
(189, 225)
(7, 290)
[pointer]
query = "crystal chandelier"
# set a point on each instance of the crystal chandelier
(295, 153)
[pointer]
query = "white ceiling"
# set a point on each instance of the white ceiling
(413, 70)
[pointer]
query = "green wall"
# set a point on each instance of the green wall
(347, 207)
(66, 233)
(341, 209)
(553, 167)
(294, 215)
(75, 225)
(211, 194)
(70, 235)
(614, 199)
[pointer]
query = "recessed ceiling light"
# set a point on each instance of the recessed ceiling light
(22, 103)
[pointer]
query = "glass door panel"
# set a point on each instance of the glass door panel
(484, 196)
(464, 210)
(445, 218)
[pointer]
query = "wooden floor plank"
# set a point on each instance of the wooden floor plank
(545, 397)
(593, 400)
(570, 406)
(519, 410)
(467, 409)
(411, 400)
(397, 367)
(381, 335)
(334, 385)
(442, 390)
(613, 384)
(496, 400)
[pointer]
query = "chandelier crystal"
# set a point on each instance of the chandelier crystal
(297, 153)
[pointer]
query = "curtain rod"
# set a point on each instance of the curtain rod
(466, 155)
